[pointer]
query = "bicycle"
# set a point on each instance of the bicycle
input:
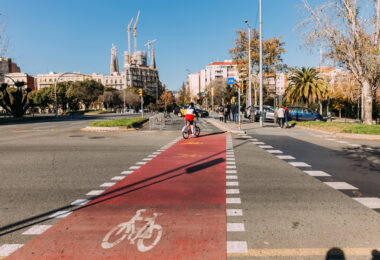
(186, 131)
(128, 230)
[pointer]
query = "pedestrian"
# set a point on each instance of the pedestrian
(225, 113)
(220, 113)
(235, 112)
(281, 115)
(229, 111)
(286, 115)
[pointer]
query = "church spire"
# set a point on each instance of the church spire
(114, 66)
(153, 61)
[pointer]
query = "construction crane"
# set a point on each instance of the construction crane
(134, 29)
(129, 41)
(148, 45)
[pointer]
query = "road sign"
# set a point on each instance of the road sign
(203, 93)
(231, 81)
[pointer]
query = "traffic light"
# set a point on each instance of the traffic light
(140, 92)
(244, 85)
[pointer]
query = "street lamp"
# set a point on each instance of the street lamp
(55, 89)
(249, 94)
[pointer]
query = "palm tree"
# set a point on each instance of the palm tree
(307, 86)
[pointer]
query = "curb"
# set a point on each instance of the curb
(343, 135)
(106, 129)
(224, 128)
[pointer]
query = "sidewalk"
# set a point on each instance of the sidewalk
(234, 127)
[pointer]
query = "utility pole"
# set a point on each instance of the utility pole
(212, 101)
(239, 86)
(261, 67)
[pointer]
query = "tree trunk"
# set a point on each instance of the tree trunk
(367, 104)
(340, 114)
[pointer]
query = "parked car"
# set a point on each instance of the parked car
(304, 114)
(129, 111)
(269, 113)
(180, 111)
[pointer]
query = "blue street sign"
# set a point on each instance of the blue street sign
(203, 93)
(231, 81)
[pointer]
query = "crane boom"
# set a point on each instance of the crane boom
(129, 40)
(135, 27)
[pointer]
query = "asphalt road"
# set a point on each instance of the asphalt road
(274, 210)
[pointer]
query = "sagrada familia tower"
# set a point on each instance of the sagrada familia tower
(136, 71)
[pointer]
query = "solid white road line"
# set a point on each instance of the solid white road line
(80, 202)
(95, 192)
(372, 203)
(299, 164)
(234, 212)
(237, 247)
(107, 184)
(37, 230)
(8, 249)
(233, 201)
(340, 185)
(60, 214)
(286, 157)
(317, 173)
(235, 227)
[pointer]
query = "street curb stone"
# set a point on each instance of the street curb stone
(223, 127)
(343, 135)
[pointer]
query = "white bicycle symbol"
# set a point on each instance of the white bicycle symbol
(128, 230)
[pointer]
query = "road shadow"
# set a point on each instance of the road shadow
(336, 253)
(364, 157)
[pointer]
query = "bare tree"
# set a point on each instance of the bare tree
(351, 34)
(132, 99)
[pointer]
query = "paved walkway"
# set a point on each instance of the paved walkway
(168, 207)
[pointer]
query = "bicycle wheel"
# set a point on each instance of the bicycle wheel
(186, 134)
(153, 238)
(115, 236)
(197, 131)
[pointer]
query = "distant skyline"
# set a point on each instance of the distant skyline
(60, 36)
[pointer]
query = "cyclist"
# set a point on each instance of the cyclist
(189, 117)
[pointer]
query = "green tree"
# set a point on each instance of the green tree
(306, 85)
(87, 91)
(14, 100)
(183, 96)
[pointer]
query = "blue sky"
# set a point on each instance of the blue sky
(46, 35)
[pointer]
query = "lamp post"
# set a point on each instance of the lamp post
(55, 89)
(249, 94)
(261, 67)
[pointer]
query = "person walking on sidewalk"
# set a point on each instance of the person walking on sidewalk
(220, 113)
(281, 115)
(235, 112)
(229, 111)
(226, 110)
(286, 115)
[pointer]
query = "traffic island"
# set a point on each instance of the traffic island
(116, 125)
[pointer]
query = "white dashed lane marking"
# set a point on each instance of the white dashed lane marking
(117, 178)
(37, 230)
(232, 191)
(286, 157)
(126, 172)
(8, 249)
(107, 184)
(233, 200)
(274, 151)
(80, 202)
(237, 247)
(317, 173)
(134, 167)
(95, 192)
(266, 146)
(60, 214)
(235, 227)
(299, 164)
(231, 171)
(232, 183)
(234, 212)
(340, 185)
(373, 203)
(231, 177)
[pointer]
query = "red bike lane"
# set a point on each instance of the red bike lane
(171, 208)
